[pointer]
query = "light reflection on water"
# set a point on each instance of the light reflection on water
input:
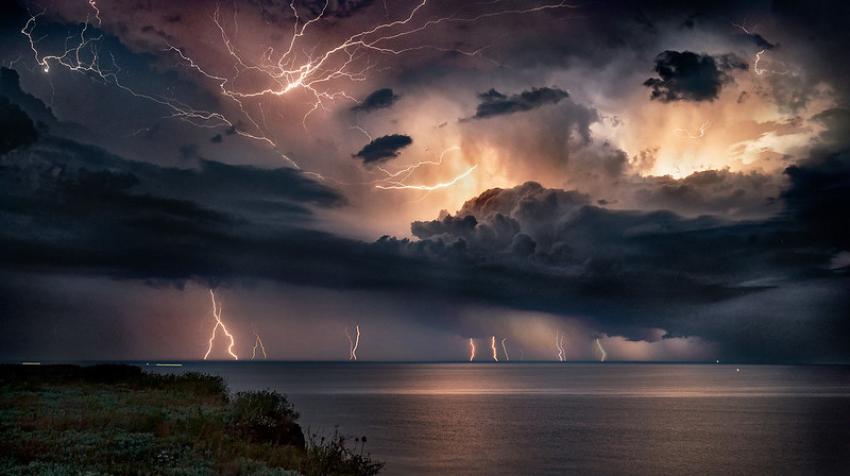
(546, 418)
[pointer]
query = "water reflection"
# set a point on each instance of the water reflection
(576, 418)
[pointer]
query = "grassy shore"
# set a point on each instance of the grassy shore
(116, 419)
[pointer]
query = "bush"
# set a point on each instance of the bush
(332, 455)
(265, 417)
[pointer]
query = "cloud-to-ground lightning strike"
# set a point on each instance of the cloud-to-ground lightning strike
(353, 341)
(603, 355)
(219, 323)
(505, 349)
(471, 349)
(258, 343)
(698, 135)
(297, 67)
(493, 348)
(559, 345)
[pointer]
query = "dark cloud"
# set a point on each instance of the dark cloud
(819, 193)
(762, 288)
(40, 114)
(10, 86)
(74, 208)
(687, 76)
(760, 41)
(494, 103)
(729, 194)
(380, 99)
(818, 31)
(188, 151)
(383, 148)
(628, 271)
(16, 128)
(217, 139)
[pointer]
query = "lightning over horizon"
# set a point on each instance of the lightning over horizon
(259, 343)
(602, 354)
(559, 345)
(216, 309)
(353, 341)
(446, 170)
(505, 348)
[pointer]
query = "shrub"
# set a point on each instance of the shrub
(332, 455)
(265, 417)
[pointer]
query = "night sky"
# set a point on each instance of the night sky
(670, 178)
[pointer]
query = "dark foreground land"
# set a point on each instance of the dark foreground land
(116, 419)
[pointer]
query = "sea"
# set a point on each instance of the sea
(527, 418)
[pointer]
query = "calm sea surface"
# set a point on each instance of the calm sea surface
(541, 418)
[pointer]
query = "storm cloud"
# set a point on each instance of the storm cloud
(16, 128)
(494, 103)
(383, 148)
(379, 99)
(630, 216)
(688, 76)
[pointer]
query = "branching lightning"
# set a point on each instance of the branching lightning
(603, 355)
(258, 343)
(353, 341)
(429, 188)
(219, 323)
(398, 180)
(758, 57)
(319, 70)
(471, 349)
(493, 348)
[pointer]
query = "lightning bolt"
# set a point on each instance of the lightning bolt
(761, 71)
(493, 348)
(317, 70)
(429, 188)
(559, 345)
(398, 180)
(505, 349)
(353, 342)
(219, 323)
(409, 170)
(699, 134)
(603, 355)
(471, 349)
(758, 57)
(258, 343)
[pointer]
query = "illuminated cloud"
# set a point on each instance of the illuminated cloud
(592, 207)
